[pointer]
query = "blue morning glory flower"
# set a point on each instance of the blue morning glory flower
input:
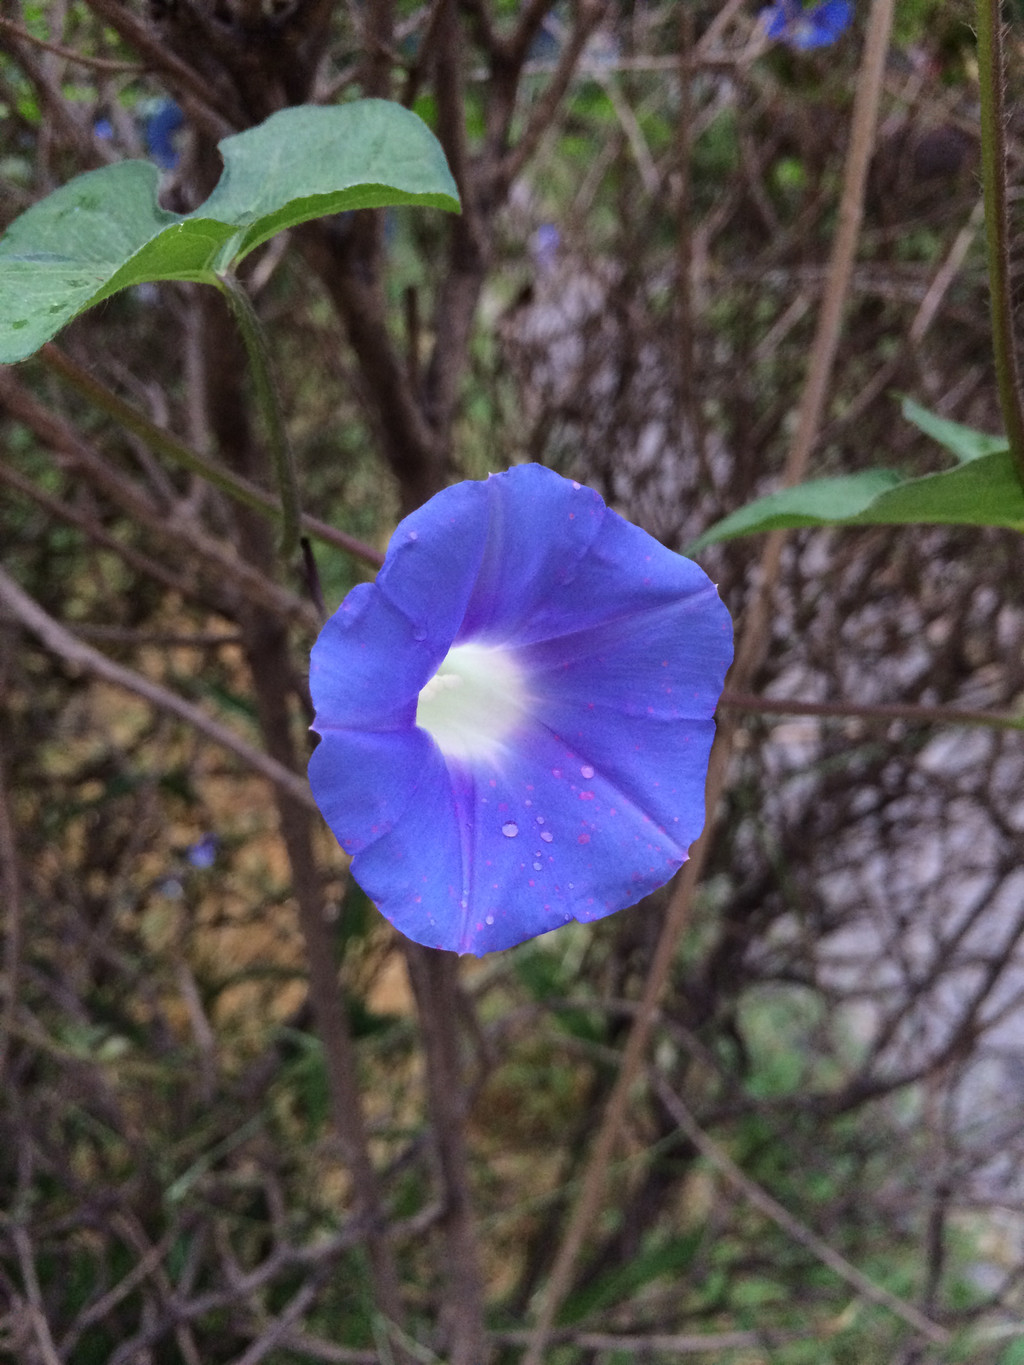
(817, 25)
(516, 717)
(162, 123)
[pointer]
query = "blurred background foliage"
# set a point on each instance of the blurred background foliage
(651, 192)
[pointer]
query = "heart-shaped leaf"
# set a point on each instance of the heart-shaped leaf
(105, 230)
(983, 490)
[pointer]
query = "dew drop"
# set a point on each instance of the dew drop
(414, 535)
(546, 835)
(587, 771)
(540, 819)
(537, 867)
(488, 919)
(19, 324)
(510, 830)
(575, 485)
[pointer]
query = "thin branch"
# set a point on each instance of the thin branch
(10, 889)
(782, 1218)
(867, 100)
(283, 1320)
(90, 527)
(80, 655)
(678, 1343)
(915, 713)
(40, 1327)
(68, 53)
(207, 110)
(589, 15)
(179, 530)
(242, 490)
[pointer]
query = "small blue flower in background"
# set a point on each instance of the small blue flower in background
(516, 717)
(203, 853)
(816, 25)
(162, 122)
(544, 247)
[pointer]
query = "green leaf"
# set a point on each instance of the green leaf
(105, 230)
(963, 442)
(983, 491)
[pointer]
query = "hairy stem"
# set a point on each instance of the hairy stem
(270, 409)
(997, 223)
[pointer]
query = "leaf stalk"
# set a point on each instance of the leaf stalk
(258, 352)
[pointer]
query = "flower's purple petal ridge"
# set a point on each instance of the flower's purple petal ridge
(806, 28)
(576, 785)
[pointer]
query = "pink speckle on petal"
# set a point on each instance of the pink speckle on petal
(583, 839)
(586, 796)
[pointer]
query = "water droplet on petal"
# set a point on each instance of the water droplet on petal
(488, 919)
(546, 835)
(540, 819)
(587, 771)
(510, 830)
(537, 867)
(414, 535)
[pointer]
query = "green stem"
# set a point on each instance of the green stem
(266, 396)
(997, 230)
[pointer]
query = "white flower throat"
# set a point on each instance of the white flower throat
(473, 702)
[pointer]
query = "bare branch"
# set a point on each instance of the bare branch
(74, 652)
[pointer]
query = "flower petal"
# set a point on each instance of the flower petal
(365, 780)
(387, 638)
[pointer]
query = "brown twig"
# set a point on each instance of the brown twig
(68, 53)
(434, 977)
(73, 651)
(179, 533)
(243, 490)
(10, 892)
(589, 15)
(916, 713)
(207, 109)
(782, 1218)
(89, 526)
